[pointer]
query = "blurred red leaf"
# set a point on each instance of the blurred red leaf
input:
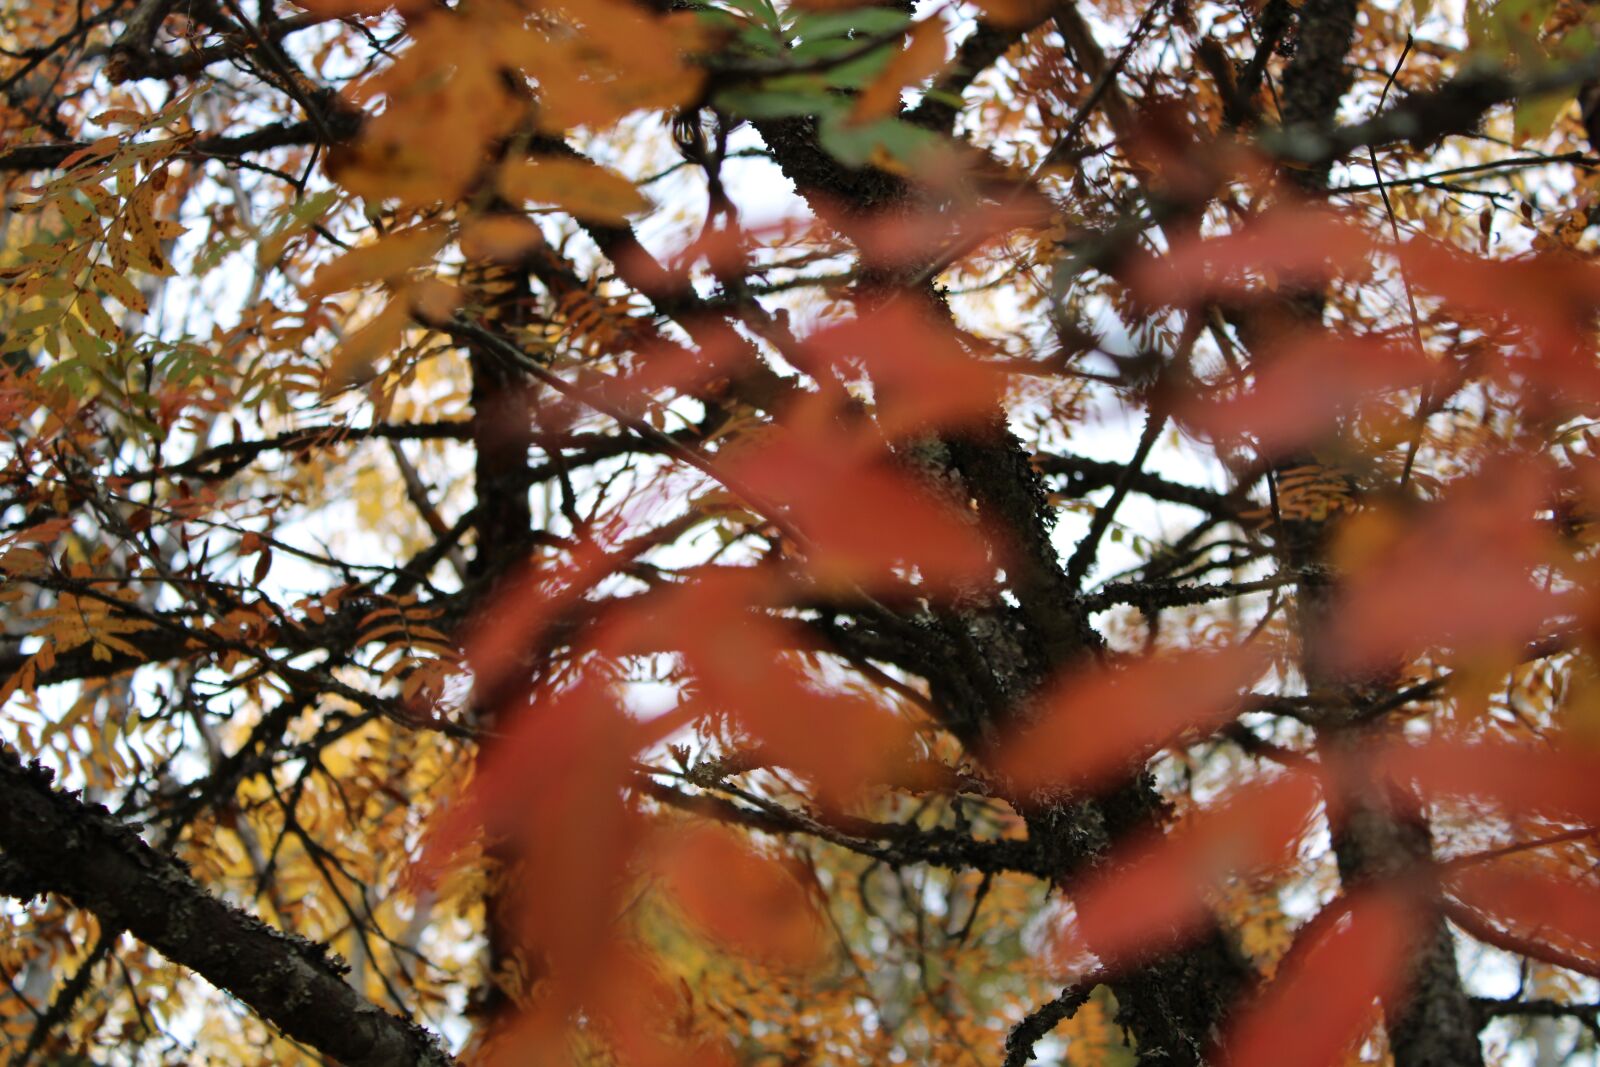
(748, 902)
(862, 516)
(741, 663)
(921, 377)
(667, 368)
(1097, 724)
(1284, 246)
(916, 237)
(1154, 894)
(1312, 382)
(1518, 779)
(1321, 1001)
(1460, 574)
(1549, 298)
(550, 791)
(507, 628)
(1533, 905)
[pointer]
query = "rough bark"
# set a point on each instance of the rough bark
(502, 440)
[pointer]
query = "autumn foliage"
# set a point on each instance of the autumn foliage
(729, 532)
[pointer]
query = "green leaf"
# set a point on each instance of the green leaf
(867, 21)
(1535, 116)
(855, 145)
(775, 104)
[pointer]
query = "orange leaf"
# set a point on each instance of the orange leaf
(922, 57)
(501, 238)
(433, 301)
(1099, 724)
(358, 354)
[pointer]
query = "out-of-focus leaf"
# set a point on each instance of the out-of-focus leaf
(1097, 725)
(586, 190)
(1307, 384)
(1461, 573)
(1292, 245)
(922, 57)
(747, 901)
(1518, 779)
(1152, 895)
(391, 256)
(1323, 999)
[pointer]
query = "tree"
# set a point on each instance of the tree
(622, 531)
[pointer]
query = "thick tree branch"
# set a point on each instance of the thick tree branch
(81, 852)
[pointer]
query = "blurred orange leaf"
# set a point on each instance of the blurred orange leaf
(390, 256)
(500, 238)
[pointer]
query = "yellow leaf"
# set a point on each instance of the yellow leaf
(582, 188)
(120, 288)
(922, 57)
(98, 318)
(389, 257)
(355, 357)
(433, 301)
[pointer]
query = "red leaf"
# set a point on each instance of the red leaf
(1550, 299)
(550, 791)
(1153, 895)
(1098, 724)
(1321, 1001)
(1311, 382)
(921, 378)
(741, 664)
(1461, 575)
(509, 626)
(747, 901)
(1291, 246)
(860, 514)
(1533, 906)
(897, 238)
(1517, 778)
